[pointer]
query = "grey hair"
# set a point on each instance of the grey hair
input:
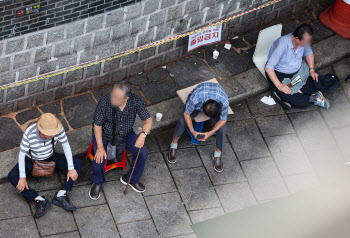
(124, 87)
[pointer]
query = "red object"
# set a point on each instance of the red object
(337, 18)
(121, 164)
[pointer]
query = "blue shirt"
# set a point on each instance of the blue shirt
(204, 92)
(284, 58)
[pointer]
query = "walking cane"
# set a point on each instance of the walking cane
(132, 171)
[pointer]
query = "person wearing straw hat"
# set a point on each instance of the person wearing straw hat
(38, 144)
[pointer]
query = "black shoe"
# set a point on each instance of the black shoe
(41, 207)
(284, 104)
(347, 79)
(63, 201)
(138, 187)
(94, 192)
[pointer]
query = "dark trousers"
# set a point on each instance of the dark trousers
(220, 134)
(61, 163)
(298, 99)
(98, 170)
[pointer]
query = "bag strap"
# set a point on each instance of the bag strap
(53, 144)
(113, 142)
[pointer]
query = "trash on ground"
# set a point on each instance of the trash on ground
(268, 100)
(216, 54)
(227, 46)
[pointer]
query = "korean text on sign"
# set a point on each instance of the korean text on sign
(206, 37)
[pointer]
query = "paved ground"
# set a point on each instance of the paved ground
(269, 153)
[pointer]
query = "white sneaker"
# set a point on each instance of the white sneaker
(321, 101)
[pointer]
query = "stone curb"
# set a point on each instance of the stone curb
(251, 80)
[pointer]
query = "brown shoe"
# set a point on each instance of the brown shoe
(218, 165)
(94, 193)
(172, 156)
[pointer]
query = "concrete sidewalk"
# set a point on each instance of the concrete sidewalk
(269, 152)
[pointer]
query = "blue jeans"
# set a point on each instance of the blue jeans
(98, 170)
(61, 163)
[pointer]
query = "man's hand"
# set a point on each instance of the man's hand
(314, 75)
(195, 134)
(22, 184)
(284, 88)
(207, 135)
(140, 140)
(100, 155)
(72, 174)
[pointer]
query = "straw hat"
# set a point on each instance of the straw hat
(49, 125)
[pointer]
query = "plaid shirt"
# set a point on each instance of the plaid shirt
(204, 92)
(124, 119)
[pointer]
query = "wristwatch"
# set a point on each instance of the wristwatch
(145, 133)
(312, 69)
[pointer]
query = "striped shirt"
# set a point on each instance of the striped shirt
(204, 92)
(40, 148)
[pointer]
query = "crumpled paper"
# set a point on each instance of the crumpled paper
(268, 100)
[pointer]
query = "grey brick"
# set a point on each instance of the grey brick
(165, 47)
(4, 64)
(167, 3)
(54, 35)
(145, 38)
(82, 42)
(6, 108)
(8, 77)
(196, 18)
(1, 48)
(22, 59)
(154, 62)
(87, 55)
(120, 31)
(26, 224)
(47, 67)
(74, 29)
(102, 37)
(27, 72)
(133, 11)
(35, 40)
(43, 54)
(93, 70)
(36, 86)
(101, 81)
(136, 69)
(67, 60)
(157, 18)
(148, 53)
(55, 81)
(118, 75)
(111, 65)
(175, 13)
(192, 6)
(151, 6)
(106, 49)
(26, 102)
(173, 55)
(83, 86)
(73, 76)
(93, 24)
(213, 13)
(126, 43)
(15, 92)
(163, 31)
(129, 59)
(14, 45)
(63, 92)
(63, 48)
(180, 26)
(45, 97)
(138, 25)
(208, 3)
(115, 17)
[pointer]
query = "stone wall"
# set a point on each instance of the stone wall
(117, 30)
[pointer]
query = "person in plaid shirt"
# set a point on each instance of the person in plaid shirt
(211, 99)
(124, 105)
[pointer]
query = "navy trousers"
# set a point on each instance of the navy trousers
(220, 134)
(98, 170)
(298, 99)
(61, 163)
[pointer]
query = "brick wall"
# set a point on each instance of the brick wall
(20, 17)
(113, 31)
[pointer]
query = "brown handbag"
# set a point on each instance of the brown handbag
(44, 169)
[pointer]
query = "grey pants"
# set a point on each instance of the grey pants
(220, 134)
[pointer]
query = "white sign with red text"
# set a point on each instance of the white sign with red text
(205, 37)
